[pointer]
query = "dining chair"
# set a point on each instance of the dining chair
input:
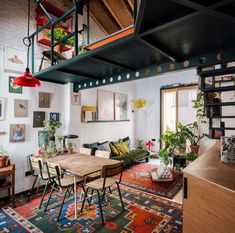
(105, 182)
(66, 182)
(38, 171)
(85, 151)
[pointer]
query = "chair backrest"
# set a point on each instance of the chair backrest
(102, 154)
(36, 163)
(85, 151)
(54, 170)
(112, 170)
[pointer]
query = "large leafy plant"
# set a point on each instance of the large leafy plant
(198, 104)
(51, 126)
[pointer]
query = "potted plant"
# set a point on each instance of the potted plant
(59, 34)
(70, 147)
(191, 156)
(50, 127)
(3, 157)
(198, 104)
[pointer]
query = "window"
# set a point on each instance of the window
(177, 107)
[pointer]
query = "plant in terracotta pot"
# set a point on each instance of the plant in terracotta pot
(70, 147)
(3, 157)
(193, 136)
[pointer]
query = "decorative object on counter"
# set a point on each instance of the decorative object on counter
(105, 105)
(20, 108)
(2, 108)
(44, 100)
(140, 144)
(38, 118)
(120, 107)
(89, 113)
(3, 157)
(149, 145)
(27, 80)
(17, 132)
(13, 88)
(228, 149)
(76, 98)
(55, 116)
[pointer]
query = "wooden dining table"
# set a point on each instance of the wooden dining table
(81, 165)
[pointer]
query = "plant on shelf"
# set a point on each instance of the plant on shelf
(70, 147)
(198, 104)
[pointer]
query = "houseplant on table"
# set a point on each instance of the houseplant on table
(70, 147)
(3, 157)
(50, 127)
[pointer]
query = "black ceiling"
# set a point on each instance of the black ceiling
(165, 30)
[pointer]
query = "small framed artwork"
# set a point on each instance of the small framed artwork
(2, 109)
(38, 118)
(54, 116)
(76, 98)
(44, 100)
(20, 108)
(105, 105)
(121, 101)
(12, 87)
(17, 132)
(15, 60)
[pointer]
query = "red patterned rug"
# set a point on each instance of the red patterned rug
(138, 176)
(144, 213)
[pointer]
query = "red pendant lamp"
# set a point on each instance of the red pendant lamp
(27, 80)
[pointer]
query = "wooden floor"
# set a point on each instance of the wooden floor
(179, 196)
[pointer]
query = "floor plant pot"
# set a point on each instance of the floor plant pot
(194, 148)
(3, 161)
(181, 160)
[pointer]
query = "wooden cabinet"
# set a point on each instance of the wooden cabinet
(209, 195)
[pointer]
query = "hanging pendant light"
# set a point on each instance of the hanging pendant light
(27, 80)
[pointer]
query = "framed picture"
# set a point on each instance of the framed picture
(105, 105)
(20, 108)
(15, 60)
(38, 118)
(76, 98)
(43, 140)
(121, 101)
(55, 116)
(44, 100)
(17, 132)
(12, 87)
(2, 109)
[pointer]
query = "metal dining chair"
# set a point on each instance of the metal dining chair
(67, 183)
(102, 184)
(38, 171)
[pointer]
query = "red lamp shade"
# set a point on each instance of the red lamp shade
(27, 80)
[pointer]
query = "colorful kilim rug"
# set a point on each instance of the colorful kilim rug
(143, 213)
(138, 176)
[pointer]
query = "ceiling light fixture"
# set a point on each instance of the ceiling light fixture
(27, 80)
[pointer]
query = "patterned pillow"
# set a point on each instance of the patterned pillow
(104, 146)
(228, 149)
(162, 174)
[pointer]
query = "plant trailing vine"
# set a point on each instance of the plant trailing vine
(198, 104)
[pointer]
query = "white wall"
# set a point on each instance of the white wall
(93, 132)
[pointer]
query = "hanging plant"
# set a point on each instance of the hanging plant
(198, 104)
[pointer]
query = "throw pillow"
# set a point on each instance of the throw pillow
(122, 148)
(104, 146)
(126, 140)
(113, 150)
(228, 149)
(92, 146)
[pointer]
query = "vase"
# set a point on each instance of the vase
(60, 146)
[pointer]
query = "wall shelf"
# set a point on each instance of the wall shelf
(217, 72)
(220, 104)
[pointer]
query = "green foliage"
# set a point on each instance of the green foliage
(191, 156)
(2, 151)
(59, 34)
(70, 145)
(198, 104)
(51, 126)
(140, 144)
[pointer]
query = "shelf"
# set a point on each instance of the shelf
(47, 42)
(221, 117)
(223, 71)
(222, 128)
(106, 121)
(220, 104)
(218, 89)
